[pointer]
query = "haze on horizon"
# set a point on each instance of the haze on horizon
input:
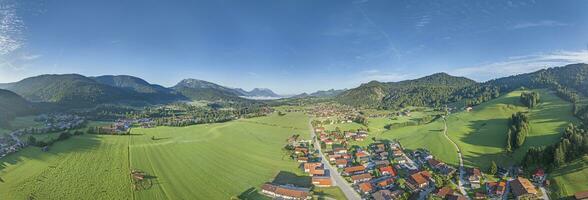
(289, 46)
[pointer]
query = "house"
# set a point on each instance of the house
(366, 187)
(539, 176)
(443, 192)
(582, 195)
(475, 177)
(362, 156)
(382, 195)
(322, 181)
(354, 169)
(388, 170)
(311, 166)
(382, 163)
(302, 159)
(301, 150)
(434, 163)
(285, 192)
(385, 182)
(495, 189)
(397, 153)
(456, 197)
(341, 163)
(338, 149)
(469, 109)
(361, 178)
(419, 180)
(522, 188)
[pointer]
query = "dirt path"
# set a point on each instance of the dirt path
(461, 169)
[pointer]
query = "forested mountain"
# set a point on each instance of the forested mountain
(568, 81)
(69, 90)
(12, 105)
(327, 93)
(202, 90)
(152, 92)
(430, 90)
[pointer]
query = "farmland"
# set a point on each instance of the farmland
(212, 161)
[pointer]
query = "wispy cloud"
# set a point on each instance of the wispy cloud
(28, 57)
(423, 21)
(543, 23)
(11, 26)
(522, 64)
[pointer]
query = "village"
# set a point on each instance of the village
(13, 142)
(386, 170)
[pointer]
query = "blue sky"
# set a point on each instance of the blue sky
(289, 46)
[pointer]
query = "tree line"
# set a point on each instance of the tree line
(517, 131)
(530, 99)
(572, 145)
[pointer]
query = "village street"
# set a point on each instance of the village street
(349, 192)
(461, 169)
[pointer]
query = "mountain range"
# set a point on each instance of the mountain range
(77, 91)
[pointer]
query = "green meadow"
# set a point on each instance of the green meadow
(567, 179)
(212, 161)
(481, 133)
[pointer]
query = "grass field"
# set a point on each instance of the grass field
(571, 178)
(214, 161)
(88, 166)
(481, 134)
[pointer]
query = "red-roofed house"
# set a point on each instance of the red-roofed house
(388, 170)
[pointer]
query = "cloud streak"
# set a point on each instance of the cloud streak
(543, 23)
(522, 64)
(11, 26)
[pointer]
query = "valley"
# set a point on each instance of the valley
(206, 141)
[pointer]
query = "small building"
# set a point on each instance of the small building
(443, 192)
(354, 170)
(322, 181)
(419, 180)
(341, 163)
(522, 188)
(495, 189)
(285, 192)
(474, 177)
(361, 178)
(388, 170)
(366, 187)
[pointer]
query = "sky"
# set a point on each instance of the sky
(289, 46)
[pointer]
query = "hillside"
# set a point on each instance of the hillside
(202, 90)
(258, 92)
(430, 90)
(70, 90)
(441, 88)
(12, 105)
(152, 92)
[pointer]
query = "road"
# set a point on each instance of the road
(348, 191)
(461, 169)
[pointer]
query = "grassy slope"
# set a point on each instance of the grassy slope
(215, 161)
(482, 133)
(79, 168)
(571, 178)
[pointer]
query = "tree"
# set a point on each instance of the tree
(493, 168)
(32, 140)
